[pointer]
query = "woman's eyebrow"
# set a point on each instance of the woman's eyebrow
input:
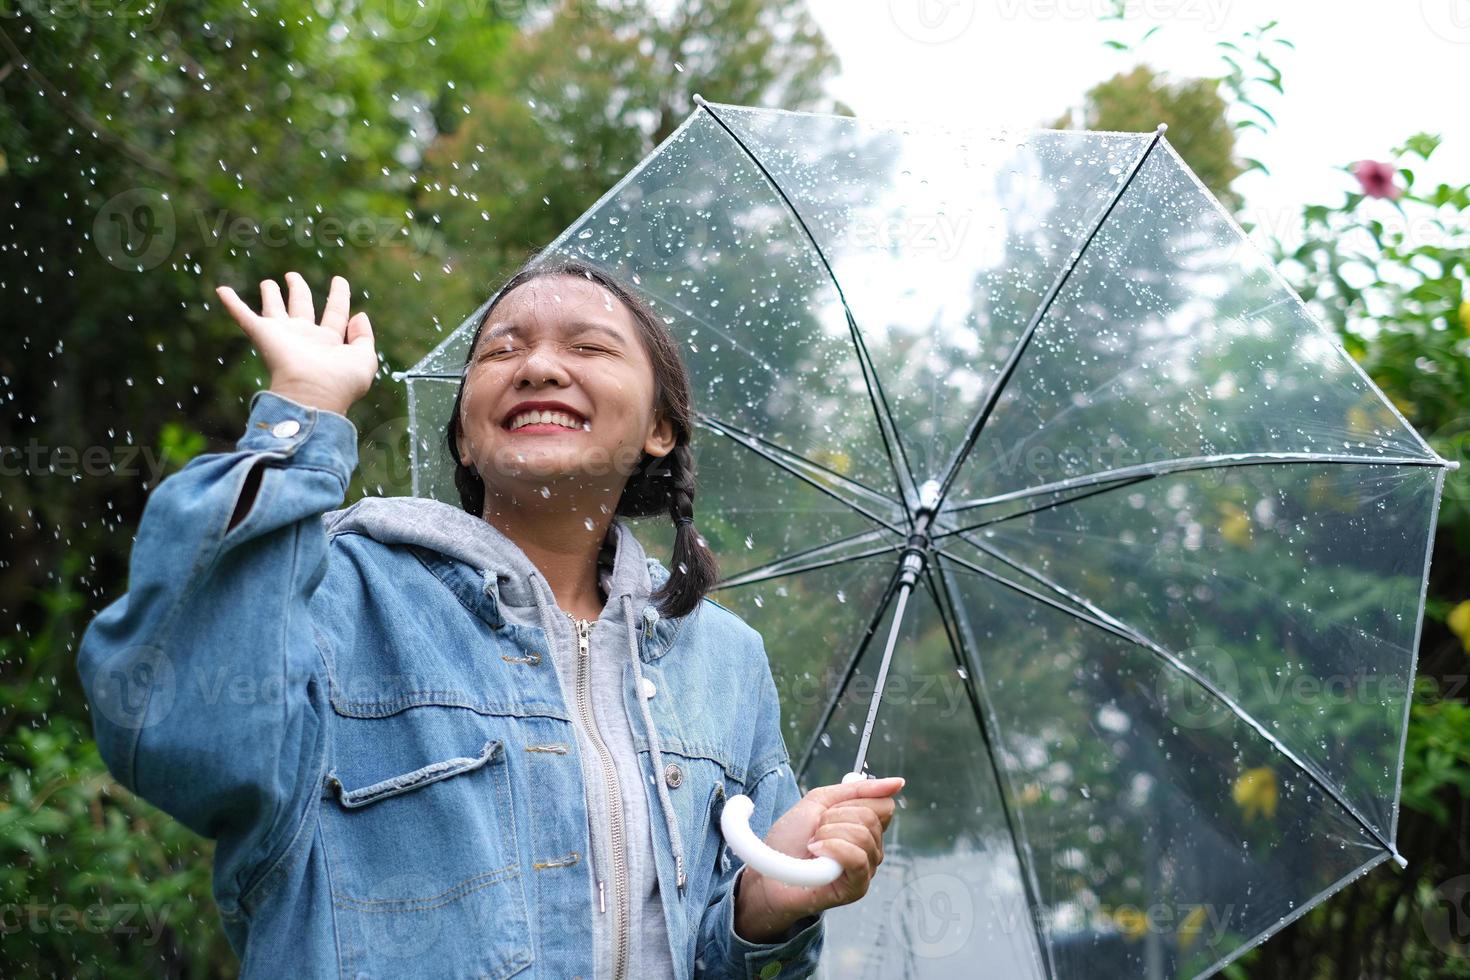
(579, 326)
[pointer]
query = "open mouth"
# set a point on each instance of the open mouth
(534, 419)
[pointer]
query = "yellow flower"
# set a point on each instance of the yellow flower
(835, 460)
(1407, 408)
(1030, 793)
(1190, 927)
(1465, 316)
(1132, 921)
(1459, 623)
(1255, 793)
(1358, 421)
(1235, 525)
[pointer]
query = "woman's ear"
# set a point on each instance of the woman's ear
(662, 440)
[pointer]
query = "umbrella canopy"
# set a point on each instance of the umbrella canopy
(1019, 431)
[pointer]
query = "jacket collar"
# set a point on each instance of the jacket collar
(487, 571)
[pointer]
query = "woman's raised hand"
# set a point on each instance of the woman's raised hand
(327, 365)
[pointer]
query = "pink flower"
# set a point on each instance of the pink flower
(1376, 179)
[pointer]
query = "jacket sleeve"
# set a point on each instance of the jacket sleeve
(720, 950)
(205, 682)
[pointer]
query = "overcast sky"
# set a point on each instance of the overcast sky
(1365, 74)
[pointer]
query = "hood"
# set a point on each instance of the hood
(453, 531)
(523, 593)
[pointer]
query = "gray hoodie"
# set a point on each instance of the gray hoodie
(526, 599)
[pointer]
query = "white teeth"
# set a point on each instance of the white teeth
(535, 417)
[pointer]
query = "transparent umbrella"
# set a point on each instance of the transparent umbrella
(1049, 494)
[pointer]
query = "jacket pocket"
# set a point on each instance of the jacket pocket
(697, 783)
(423, 864)
(433, 772)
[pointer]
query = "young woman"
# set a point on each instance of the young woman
(478, 741)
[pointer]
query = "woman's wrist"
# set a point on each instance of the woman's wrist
(309, 397)
(755, 921)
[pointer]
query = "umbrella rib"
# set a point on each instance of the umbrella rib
(992, 396)
(760, 446)
(975, 688)
(1296, 913)
(903, 474)
(1090, 492)
(1191, 463)
(852, 662)
(1119, 628)
(776, 570)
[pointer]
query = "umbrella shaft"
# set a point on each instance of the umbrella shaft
(913, 562)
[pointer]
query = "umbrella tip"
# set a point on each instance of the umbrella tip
(698, 99)
(1399, 859)
(1163, 127)
(398, 375)
(1453, 464)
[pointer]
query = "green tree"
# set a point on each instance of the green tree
(1193, 109)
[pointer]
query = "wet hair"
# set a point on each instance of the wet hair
(658, 484)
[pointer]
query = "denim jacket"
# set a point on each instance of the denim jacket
(355, 724)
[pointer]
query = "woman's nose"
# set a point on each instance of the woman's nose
(540, 366)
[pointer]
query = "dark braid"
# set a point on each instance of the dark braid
(659, 484)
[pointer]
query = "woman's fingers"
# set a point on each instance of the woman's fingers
(334, 313)
(857, 863)
(271, 304)
(298, 300)
(856, 833)
(240, 310)
(360, 331)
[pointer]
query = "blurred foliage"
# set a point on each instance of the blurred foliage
(1390, 275)
(1193, 109)
(417, 149)
(421, 150)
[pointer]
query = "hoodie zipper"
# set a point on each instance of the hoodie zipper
(614, 803)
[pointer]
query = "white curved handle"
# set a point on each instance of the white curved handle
(808, 872)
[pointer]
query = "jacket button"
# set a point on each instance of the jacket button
(649, 690)
(673, 775)
(286, 428)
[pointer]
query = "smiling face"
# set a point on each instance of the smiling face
(563, 354)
